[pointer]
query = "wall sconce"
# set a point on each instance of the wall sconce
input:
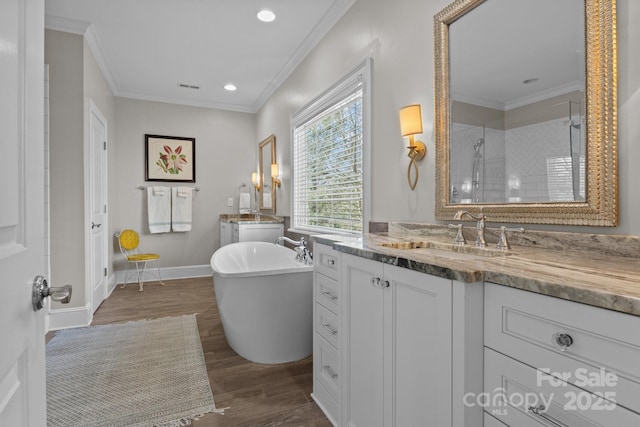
(255, 180)
(411, 124)
(275, 172)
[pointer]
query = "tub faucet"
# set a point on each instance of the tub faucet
(480, 242)
(302, 252)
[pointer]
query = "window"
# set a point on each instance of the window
(329, 168)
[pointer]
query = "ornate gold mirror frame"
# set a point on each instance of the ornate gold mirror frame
(267, 157)
(601, 205)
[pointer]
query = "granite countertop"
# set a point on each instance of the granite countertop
(601, 278)
(251, 219)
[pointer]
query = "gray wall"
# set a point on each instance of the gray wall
(226, 150)
(64, 54)
(399, 37)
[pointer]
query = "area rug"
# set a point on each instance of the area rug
(144, 373)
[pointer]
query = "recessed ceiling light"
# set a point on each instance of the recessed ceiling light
(230, 87)
(266, 15)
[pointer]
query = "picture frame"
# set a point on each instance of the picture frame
(169, 158)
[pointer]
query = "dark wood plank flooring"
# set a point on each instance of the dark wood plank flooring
(256, 395)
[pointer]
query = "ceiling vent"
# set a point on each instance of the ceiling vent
(186, 86)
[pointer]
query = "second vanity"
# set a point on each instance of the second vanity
(250, 228)
(410, 335)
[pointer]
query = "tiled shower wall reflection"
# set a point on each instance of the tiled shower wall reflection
(517, 164)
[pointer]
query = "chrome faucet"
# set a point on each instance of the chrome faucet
(480, 218)
(302, 252)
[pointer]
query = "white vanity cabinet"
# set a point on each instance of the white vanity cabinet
(582, 360)
(231, 232)
(225, 233)
(326, 325)
(399, 350)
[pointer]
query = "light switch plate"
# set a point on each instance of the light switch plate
(230, 201)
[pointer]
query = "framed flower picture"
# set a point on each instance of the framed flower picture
(169, 158)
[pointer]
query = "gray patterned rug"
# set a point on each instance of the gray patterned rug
(146, 373)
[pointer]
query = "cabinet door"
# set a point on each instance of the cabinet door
(418, 348)
(362, 343)
(225, 233)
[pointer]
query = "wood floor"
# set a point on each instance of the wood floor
(256, 395)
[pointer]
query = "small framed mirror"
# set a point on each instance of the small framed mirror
(266, 158)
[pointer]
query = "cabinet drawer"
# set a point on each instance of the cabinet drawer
(327, 325)
(326, 260)
(604, 345)
(326, 367)
(515, 389)
(328, 293)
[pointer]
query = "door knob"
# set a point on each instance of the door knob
(41, 290)
(94, 225)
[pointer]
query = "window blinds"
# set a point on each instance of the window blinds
(328, 164)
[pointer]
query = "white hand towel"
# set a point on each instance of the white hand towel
(244, 205)
(266, 200)
(181, 208)
(159, 209)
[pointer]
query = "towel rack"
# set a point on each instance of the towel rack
(142, 187)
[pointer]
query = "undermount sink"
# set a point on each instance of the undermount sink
(448, 250)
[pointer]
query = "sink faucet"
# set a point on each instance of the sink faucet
(480, 242)
(302, 252)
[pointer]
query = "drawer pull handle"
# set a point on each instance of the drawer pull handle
(330, 329)
(539, 411)
(330, 371)
(331, 262)
(329, 295)
(563, 340)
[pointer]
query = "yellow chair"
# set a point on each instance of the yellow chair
(128, 240)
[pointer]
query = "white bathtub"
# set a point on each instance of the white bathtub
(265, 299)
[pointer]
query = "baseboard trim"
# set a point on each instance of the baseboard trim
(170, 273)
(75, 317)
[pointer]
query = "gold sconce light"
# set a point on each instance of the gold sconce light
(255, 180)
(410, 125)
(275, 173)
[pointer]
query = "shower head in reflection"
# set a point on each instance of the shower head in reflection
(573, 123)
(479, 144)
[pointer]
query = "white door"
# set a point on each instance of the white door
(97, 258)
(22, 360)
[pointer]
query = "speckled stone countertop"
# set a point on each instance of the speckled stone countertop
(251, 219)
(598, 270)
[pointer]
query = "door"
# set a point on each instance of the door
(363, 346)
(22, 360)
(97, 205)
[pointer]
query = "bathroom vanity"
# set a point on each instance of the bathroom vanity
(249, 228)
(408, 335)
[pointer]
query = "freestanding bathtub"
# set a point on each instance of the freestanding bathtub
(265, 300)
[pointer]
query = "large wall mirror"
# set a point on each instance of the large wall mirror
(526, 110)
(267, 157)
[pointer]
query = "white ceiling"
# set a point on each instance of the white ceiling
(502, 43)
(146, 48)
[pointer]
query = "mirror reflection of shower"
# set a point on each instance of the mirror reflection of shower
(577, 151)
(477, 174)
